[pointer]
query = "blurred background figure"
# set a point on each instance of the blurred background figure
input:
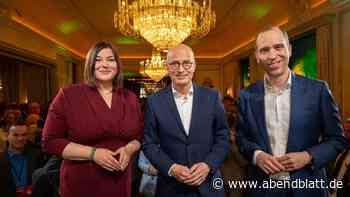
(341, 170)
(17, 163)
(149, 178)
(8, 119)
(34, 130)
(34, 108)
(234, 167)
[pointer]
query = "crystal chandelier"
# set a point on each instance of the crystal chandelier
(164, 23)
(154, 67)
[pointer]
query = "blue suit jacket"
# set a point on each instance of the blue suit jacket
(313, 116)
(166, 143)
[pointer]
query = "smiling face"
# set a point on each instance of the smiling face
(181, 65)
(273, 52)
(105, 66)
(17, 137)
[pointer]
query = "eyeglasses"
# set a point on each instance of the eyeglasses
(185, 64)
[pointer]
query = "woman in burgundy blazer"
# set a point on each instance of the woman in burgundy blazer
(95, 127)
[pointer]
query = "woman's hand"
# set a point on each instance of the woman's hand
(124, 157)
(106, 159)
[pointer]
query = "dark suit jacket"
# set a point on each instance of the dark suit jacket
(313, 117)
(165, 142)
(7, 184)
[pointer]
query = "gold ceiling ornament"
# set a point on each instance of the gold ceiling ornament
(154, 67)
(164, 23)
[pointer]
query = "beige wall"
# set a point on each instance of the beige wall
(232, 79)
(64, 71)
(23, 38)
(210, 71)
(30, 44)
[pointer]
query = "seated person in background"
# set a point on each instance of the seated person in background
(34, 108)
(32, 119)
(34, 130)
(17, 163)
(228, 101)
(149, 178)
(8, 119)
(341, 170)
(34, 135)
(45, 180)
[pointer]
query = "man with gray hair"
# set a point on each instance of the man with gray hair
(185, 132)
(282, 119)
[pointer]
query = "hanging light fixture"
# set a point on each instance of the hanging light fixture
(164, 23)
(154, 67)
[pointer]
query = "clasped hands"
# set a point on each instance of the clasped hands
(112, 160)
(291, 161)
(193, 176)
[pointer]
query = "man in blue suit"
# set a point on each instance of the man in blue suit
(185, 132)
(289, 126)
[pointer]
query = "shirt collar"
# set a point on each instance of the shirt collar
(286, 86)
(178, 94)
(12, 154)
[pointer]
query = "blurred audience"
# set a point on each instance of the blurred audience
(17, 163)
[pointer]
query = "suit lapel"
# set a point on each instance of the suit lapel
(171, 105)
(258, 108)
(195, 109)
(296, 99)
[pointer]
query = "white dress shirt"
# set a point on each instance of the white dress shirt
(277, 113)
(184, 107)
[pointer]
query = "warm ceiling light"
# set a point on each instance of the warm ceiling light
(164, 23)
(154, 67)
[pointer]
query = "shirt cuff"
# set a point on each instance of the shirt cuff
(170, 169)
(255, 155)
